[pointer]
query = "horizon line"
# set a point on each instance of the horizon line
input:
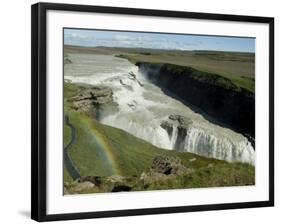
(161, 49)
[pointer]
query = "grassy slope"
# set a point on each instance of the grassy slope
(227, 69)
(238, 67)
(134, 156)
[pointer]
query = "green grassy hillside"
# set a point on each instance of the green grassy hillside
(237, 68)
(103, 151)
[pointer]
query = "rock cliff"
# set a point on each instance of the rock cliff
(217, 96)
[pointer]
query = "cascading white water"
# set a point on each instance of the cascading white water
(143, 107)
(227, 148)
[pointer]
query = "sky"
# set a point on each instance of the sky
(93, 38)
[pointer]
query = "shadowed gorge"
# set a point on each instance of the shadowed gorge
(217, 96)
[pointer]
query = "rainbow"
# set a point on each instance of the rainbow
(106, 148)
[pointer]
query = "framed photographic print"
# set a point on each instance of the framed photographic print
(139, 111)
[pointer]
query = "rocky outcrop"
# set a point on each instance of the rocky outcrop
(96, 95)
(96, 180)
(217, 96)
(168, 165)
(78, 187)
(94, 100)
(168, 126)
(180, 120)
(175, 121)
(163, 168)
(88, 184)
(180, 141)
(181, 124)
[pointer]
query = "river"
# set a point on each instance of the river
(143, 107)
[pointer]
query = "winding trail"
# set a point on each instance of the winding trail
(69, 164)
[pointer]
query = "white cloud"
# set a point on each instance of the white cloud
(79, 37)
(125, 40)
(121, 38)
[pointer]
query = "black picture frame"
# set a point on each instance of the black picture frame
(39, 122)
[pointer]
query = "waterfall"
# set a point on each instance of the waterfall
(206, 144)
(223, 144)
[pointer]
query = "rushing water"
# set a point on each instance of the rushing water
(143, 107)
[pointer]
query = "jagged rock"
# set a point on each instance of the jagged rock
(182, 124)
(115, 178)
(180, 141)
(168, 165)
(96, 180)
(83, 105)
(164, 169)
(153, 177)
(181, 120)
(96, 95)
(182, 131)
(168, 126)
(112, 183)
(82, 186)
(94, 100)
